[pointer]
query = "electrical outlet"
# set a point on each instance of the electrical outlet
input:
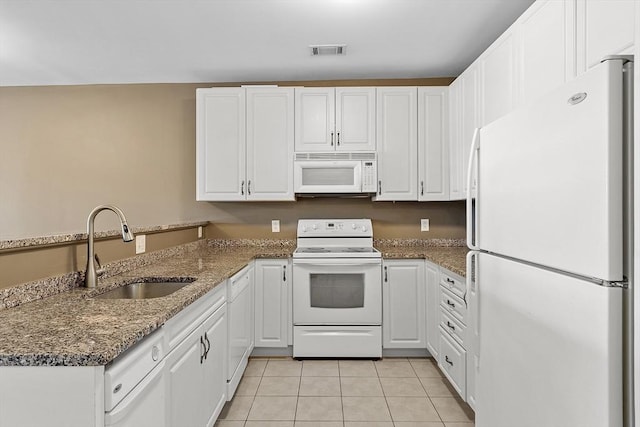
(141, 243)
(275, 226)
(200, 232)
(424, 225)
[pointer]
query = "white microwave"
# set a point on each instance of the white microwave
(329, 173)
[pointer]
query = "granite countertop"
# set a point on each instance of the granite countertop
(452, 258)
(74, 329)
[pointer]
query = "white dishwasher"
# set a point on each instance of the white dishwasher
(134, 386)
(240, 326)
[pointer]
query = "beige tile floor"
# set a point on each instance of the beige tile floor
(393, 392)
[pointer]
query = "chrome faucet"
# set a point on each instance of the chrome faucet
(92, 273)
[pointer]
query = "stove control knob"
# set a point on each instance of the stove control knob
(315, 227)
(304, 228)
(364, 228)
(353, 226)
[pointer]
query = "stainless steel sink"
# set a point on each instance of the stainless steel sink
(143, 290)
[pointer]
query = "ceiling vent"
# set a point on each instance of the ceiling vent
(328, 49)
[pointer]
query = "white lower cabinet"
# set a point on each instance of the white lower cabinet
(196, 376)
(273, 303)
(452, 362)
(452, 329)
(403, 304)
(432, 308)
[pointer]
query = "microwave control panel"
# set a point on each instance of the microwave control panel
(369, 176)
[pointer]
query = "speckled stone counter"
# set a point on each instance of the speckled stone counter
(451, 258)
(73, 329)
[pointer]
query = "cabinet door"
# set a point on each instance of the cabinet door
(214, 374)
(270, 144)
(403, 304)
(183, 377)
(469, 119)
(220, 144)
(455, 141)
(433, 308)
(604, 27)
(497, 83)
(433, 153)
(315, 119)
(545, 48)
(397, 141)
(356, 118)
(272, 310)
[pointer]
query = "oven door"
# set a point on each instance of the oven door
(332, 291)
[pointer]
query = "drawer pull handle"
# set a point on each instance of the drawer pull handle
(446, 359)
(450, 304)
(452, 327)
(206, 352)
(451, 281)
(332, 139)
(386, 275)
(204, 349)
(284, 273)
(242, 188)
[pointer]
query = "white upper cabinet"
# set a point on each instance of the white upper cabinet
(356, 118)
(329, 119)
(220, 144)
(546, 48)
(497, 81)
(270, 143)
(604, 27)
(433, 143)
(469, 119)
(244, 144)
(397, 143)
(455, 142)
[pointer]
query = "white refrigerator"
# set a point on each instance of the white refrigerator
(549, 267)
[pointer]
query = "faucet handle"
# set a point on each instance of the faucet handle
(99, 271)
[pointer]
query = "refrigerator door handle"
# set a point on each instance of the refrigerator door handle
(473, 303)
(471, 220)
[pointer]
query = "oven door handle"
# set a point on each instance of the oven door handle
(339, 263)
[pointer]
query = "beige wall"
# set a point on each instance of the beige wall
(67, 149)
(390, 220)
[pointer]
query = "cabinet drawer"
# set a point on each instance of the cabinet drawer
(456, 284)
(453, 305)
(452, 361)
(239, 281)
(452, 326)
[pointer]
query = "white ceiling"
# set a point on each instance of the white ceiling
(61, 42)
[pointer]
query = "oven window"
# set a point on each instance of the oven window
(337, 290)
(327, 176)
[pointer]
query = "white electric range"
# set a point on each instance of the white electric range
(337, 290)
